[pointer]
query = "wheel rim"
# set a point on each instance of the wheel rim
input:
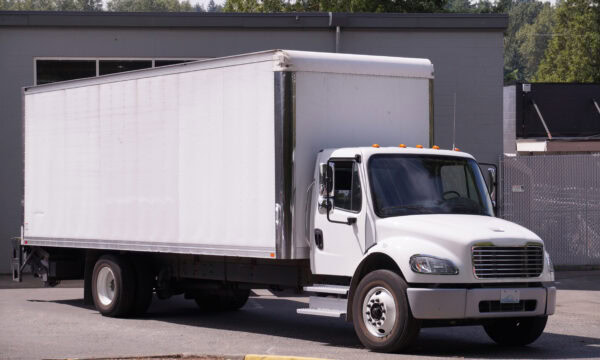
(379, 312)
(105, 285)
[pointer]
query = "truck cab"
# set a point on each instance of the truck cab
(414, 229)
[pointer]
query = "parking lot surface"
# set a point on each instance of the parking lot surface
(53, 323)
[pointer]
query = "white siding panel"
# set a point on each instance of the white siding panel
(175, 159)
(227, 167)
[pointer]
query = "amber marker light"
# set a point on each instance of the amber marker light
(402, 145)
(375, 145)
(456, 149)
(435, 147)
(419, 146)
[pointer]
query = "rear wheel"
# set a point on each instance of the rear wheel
(516, 331)
(223, 300)
(113, 286)
(381, 315)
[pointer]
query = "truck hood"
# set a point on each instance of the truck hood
(455, 230)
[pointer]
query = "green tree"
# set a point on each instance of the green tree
(334, 6)
(243, 6)
(214, 7)
(520, 13)
(460, 6)
(573, 54)
(36, 5)
(149, 5)
(533, 40)
(51, 5)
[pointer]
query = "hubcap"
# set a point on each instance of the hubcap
(105, 285)
(379, 311)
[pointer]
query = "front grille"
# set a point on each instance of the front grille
(497, 306)
(508, 262)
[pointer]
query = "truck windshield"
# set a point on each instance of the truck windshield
(417, 184)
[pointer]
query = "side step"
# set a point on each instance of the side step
(331, 303)
(328, 289)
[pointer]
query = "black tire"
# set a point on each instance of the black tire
(144, 287)
(516, 331)
(123, 284)
(405, 328)
(223, 300)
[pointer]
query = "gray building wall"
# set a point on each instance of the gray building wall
(466, 50)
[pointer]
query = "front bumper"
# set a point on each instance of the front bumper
(427, 303)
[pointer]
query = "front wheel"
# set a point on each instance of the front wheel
(516, 331)
(381, 314)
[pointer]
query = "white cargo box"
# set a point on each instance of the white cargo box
(211, 157)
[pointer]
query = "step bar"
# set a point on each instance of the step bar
(331, 302)
(328, 289)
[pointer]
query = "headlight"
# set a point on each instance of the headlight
(549, 264)
(425, 264)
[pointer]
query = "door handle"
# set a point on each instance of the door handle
(319, 238)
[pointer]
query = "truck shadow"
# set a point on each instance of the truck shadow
(277, 317)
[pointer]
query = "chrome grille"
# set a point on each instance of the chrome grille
(508, 261)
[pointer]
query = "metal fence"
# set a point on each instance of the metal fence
(558, 198)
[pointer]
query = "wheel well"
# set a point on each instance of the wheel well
(375, 261)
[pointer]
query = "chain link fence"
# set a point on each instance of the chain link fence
(558, 198)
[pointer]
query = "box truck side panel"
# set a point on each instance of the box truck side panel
(227, 166)
(180, 162)
(339, 110)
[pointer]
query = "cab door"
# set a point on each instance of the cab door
(339, 218)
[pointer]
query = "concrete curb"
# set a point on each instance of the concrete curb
(192, 356)
(278, 357)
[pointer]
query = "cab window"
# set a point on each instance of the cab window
(347, 189)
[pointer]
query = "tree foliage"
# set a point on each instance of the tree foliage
(270, 6)
(477, 7)
(51, 5)
(149, 5)
(214, 7)
(573, 54)
(532, 40)
(520, 14)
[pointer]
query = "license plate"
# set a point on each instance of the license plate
(510, 296)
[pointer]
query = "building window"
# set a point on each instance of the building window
(158, 63)
(48, 71)
(53, 70)
(114, 66)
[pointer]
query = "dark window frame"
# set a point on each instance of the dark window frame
(355, 165)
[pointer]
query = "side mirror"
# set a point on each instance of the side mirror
(492, 176)
(326, 182)
(326, 186)
(491, 180)
(492, 189)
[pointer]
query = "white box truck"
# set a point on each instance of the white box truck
(262, 170)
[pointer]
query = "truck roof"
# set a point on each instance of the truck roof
(369, 151)
(283, 60)
(291, 60)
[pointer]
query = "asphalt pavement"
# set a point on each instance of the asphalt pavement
(53, 323)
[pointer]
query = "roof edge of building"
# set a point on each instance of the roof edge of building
(253, 20)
